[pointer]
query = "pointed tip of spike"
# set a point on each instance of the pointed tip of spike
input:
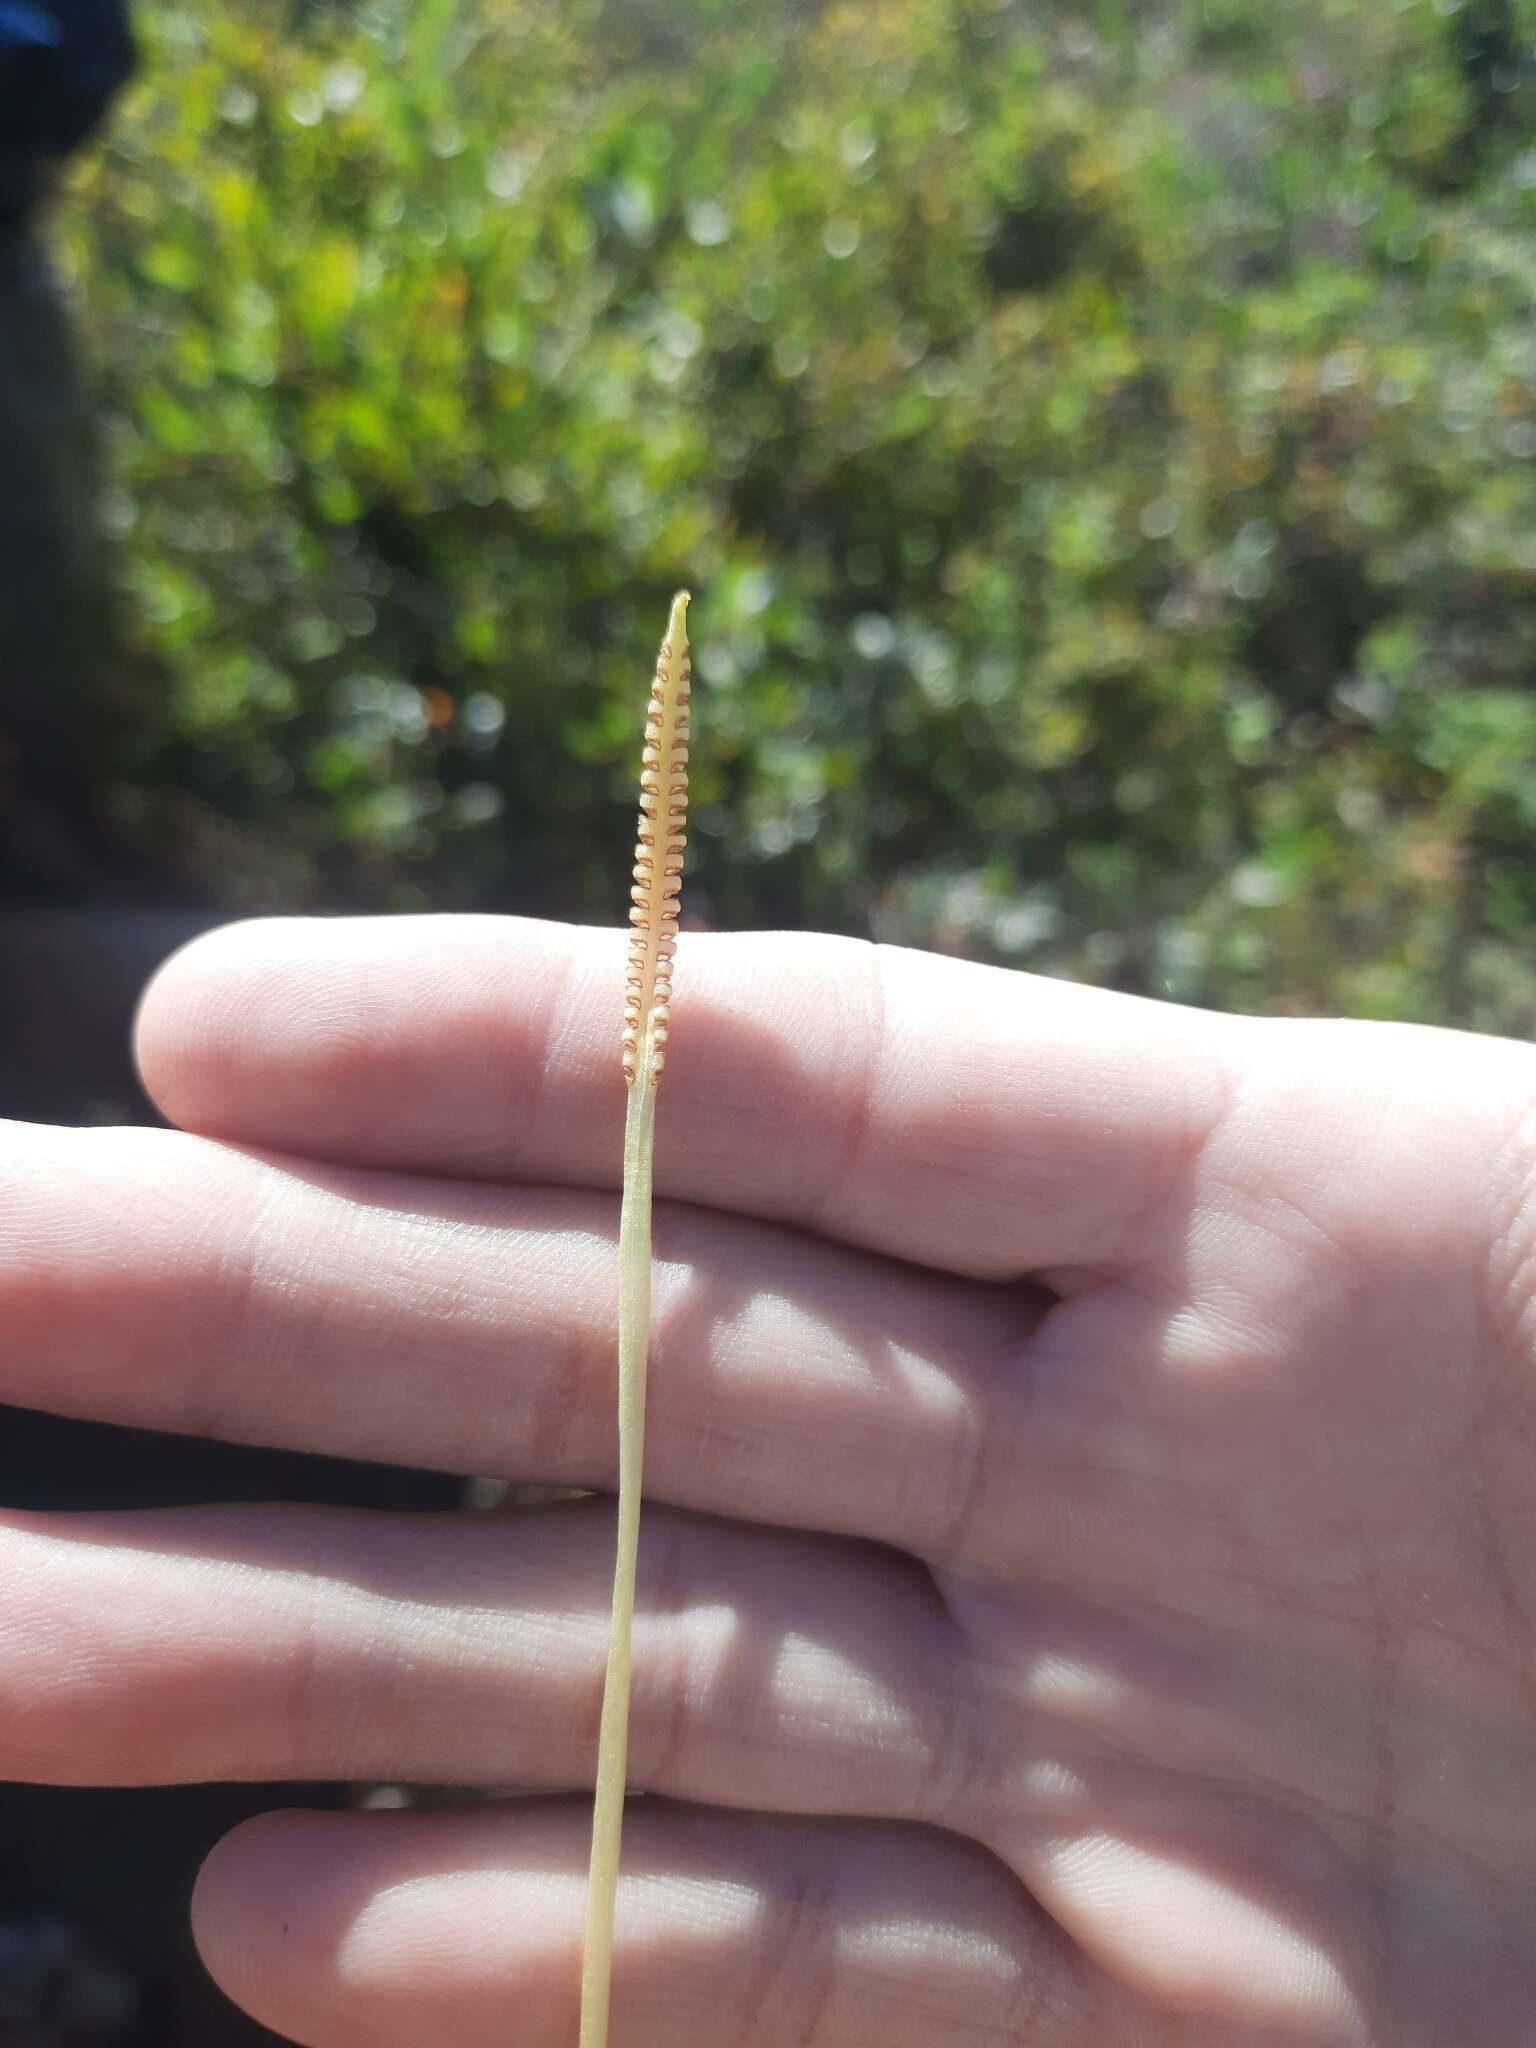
(678, 623)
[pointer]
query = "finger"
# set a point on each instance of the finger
(151, 1278)
(973, 1119)
(466, 1927)
(792, 1673)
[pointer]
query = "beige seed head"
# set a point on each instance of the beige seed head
(659, 850)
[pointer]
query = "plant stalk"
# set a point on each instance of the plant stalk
(613, 1737)
(660, 839)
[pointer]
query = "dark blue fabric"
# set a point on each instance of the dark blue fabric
(23, 27)
(61, 61)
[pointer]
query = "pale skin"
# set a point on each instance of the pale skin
(1087, 1584)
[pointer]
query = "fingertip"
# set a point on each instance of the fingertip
(180, 1027)
(293, 1011)
(259, 1911)
(335, 1928)
(356, 1038)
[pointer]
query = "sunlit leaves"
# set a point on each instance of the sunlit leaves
(1101, 440)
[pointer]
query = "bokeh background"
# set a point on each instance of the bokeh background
(1100, 436)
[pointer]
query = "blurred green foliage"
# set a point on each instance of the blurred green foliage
(1100, 439)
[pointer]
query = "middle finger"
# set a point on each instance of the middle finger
(153, 1278)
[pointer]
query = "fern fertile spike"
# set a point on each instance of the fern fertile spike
(658, 852)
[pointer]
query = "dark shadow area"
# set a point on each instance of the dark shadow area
(95, 1947)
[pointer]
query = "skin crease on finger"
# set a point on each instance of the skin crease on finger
(1237, 1624)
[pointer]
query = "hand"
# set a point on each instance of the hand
(1088, 1594)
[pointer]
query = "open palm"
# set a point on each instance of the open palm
(1088, 1594)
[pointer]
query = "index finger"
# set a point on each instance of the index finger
(970, 1118)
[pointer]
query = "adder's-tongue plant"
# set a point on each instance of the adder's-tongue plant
(648, 994)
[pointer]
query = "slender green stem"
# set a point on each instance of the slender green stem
(613, 1739)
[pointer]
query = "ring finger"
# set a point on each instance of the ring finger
(793, 1673)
